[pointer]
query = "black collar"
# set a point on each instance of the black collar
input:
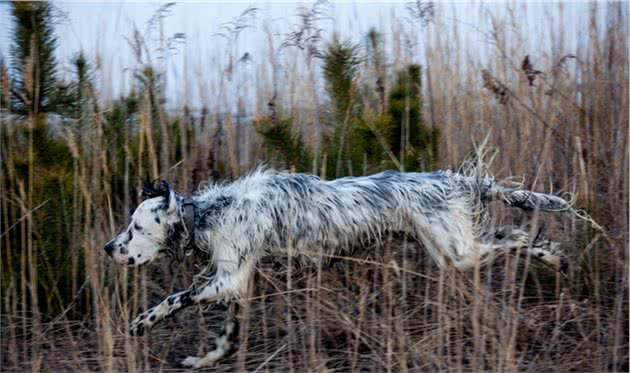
(188, 216)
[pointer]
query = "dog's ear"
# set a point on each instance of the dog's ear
(169, 194)
(148, 190)
(163, 189)
(151, 190)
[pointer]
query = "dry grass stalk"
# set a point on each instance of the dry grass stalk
(388, 309)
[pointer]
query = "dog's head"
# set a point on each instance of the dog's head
(151, 228)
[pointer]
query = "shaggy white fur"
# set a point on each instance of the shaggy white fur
(236, 224)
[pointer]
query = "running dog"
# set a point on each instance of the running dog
(238, 223)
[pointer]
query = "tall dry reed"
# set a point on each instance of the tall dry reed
(557, 118)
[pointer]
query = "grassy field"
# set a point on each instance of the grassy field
(552, 114)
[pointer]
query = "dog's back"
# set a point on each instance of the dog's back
(307, 214)
(310, 215)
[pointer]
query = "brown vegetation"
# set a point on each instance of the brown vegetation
(558, 118)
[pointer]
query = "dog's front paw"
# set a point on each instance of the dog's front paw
(142, 323)
(191, 362)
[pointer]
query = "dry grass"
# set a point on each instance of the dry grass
(388, 309)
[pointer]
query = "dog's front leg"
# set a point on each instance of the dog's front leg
(166, 308)
(224, 344)
(226, 285)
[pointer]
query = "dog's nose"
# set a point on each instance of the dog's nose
(109, 248)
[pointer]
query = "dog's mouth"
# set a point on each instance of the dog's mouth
(135, 262)
(132, 262)
(123, 256)
(124, 260)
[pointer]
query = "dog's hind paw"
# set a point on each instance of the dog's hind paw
(191, 362)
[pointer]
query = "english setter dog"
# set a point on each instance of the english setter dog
(236, 224)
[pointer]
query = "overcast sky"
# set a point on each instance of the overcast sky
(100, 29)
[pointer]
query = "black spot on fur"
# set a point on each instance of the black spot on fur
(139, 331)
(235, 329)
(233, 348)
(210, 215)
(157, 219)
(186, 298)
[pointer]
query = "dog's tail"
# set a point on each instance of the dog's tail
(524, 199)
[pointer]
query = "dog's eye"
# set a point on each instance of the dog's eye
(137, 227)
(499, 235)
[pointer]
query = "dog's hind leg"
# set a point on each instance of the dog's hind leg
(447, 234)
(224, 344)
(508, 238)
